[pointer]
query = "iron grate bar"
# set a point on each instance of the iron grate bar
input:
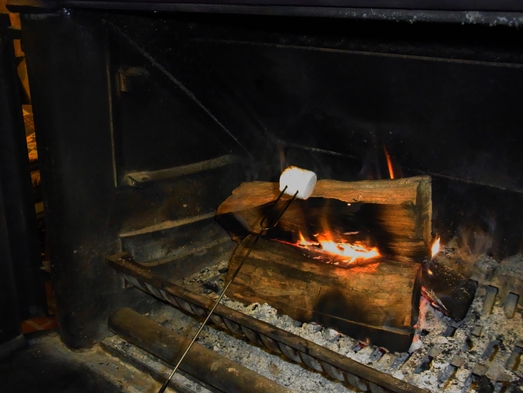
(339, 364)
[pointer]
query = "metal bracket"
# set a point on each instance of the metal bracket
(142, 178)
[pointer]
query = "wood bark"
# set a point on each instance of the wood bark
(375, 301)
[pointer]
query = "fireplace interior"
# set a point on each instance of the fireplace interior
(149, 116)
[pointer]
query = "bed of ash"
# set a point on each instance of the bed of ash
(461, 361)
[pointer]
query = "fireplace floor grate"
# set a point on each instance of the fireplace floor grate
(482, 353)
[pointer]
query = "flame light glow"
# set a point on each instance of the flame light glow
(347, 252)
(436, 247)
(389, 162)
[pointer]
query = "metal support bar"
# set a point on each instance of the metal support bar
(140, 179)
(506, 13)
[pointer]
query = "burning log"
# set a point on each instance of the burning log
(375, 301)
(319, 274)
(393, 215)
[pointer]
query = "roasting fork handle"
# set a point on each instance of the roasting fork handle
(264, 228)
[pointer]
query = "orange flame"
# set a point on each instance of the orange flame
(389, 162)
(349, 252)
(436, 247)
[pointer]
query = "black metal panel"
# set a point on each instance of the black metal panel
(83, 151)
(506, 12)
(9, 306)
(157, 122)
(443, 99)
(10, 322)
(69, 85)
(15, 180)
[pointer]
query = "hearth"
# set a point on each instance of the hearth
(149, 116)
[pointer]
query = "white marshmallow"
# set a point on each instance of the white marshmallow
(297, 179)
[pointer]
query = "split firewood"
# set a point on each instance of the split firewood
(393, 215)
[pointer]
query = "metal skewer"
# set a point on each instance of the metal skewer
(264, 228)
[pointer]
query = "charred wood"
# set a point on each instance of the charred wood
(447, 290)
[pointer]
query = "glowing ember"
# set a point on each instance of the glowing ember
(436, 247)
(349, 252)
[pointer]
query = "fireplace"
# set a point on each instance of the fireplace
(149, 115)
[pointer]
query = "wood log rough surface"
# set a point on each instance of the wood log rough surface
(395, 215)
(375, 301)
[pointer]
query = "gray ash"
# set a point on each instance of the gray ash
(445, 355)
